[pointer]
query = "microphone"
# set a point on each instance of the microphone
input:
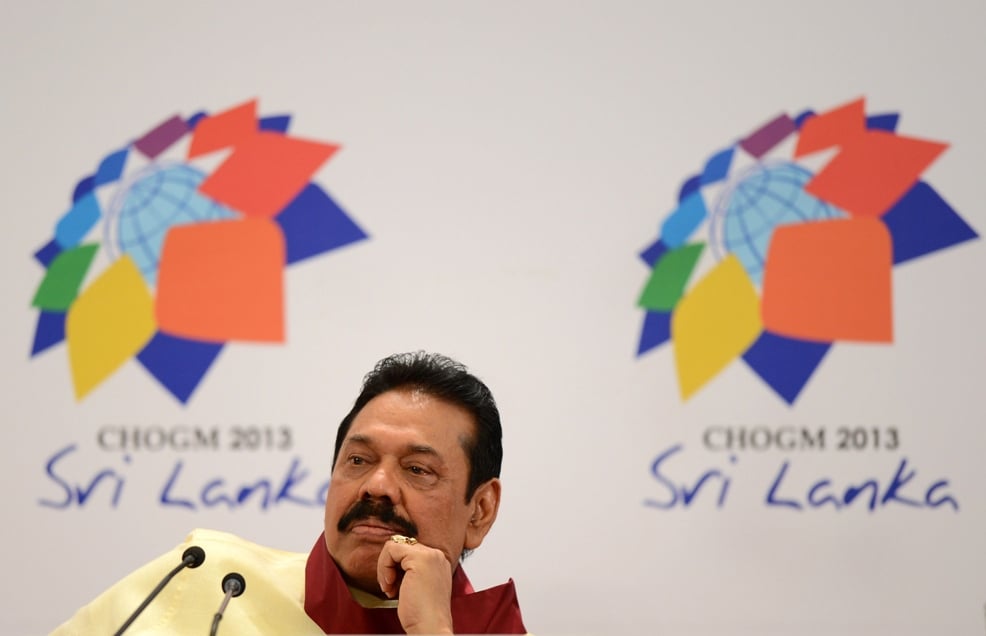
(193, 557)
(233, 585)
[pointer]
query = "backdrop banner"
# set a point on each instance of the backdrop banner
(717, 262)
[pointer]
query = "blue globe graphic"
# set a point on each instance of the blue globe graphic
(755, 204)
(155, 200)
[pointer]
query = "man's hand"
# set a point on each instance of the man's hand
(421, 578)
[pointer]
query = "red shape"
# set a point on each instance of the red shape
(265, 173)
(830, 280)
(225, 129)
(873, 172)
(223, 280)
(834, 128)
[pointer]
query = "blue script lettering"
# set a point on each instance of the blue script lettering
(822, 493)
(267, 492)
(787, 491)
(79, 493)
(683, 494)
(107, 485)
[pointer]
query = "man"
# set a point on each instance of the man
(415, 486)
(415, 483)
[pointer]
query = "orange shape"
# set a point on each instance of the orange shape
(870, 174)
(225, 129)
(830, 280)
(265, 172)
(834, 128)
(223, 280)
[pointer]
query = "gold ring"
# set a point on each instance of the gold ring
(400, 538)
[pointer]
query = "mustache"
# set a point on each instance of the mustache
(380, 509)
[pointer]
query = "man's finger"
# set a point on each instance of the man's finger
(389, 570)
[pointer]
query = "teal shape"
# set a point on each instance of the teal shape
(681, 223)
(77, 222)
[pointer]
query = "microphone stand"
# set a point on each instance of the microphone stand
(233, 585)
(191, 558)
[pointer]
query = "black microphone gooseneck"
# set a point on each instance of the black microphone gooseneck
(193, 557)
(233, 585)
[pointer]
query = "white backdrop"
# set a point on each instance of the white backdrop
(509, 160)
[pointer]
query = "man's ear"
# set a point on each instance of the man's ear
(485, 503)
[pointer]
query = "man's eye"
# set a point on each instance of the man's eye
(417, 470)
(356, 461)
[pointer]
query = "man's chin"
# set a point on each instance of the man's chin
(359, 565)
(363, 576)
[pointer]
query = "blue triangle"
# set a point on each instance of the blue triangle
(690, 186)
(886, 121)
(49, 332)
(921, 222)
(313, 223)
(655, 332)
(275, 123)
(178, 364)
(653, 253)
(48, 252)
(785, 364)
(84, 187)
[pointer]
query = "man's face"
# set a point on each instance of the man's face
(402, 469)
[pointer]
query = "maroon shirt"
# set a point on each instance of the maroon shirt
(329, 603)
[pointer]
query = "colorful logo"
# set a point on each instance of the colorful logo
(177, 244)
(785, 242)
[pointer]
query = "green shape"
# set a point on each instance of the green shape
(61, 283)
(669, 277)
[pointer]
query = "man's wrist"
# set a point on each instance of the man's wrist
(434, 627)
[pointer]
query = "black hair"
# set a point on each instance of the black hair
(440, 377)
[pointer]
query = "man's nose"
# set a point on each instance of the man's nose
(382, 482)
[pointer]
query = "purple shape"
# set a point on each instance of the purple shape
(160, 139)
(802, 117)
(313, 223)
(47, 254)
(49, 332)
(178, 364)
(785, 364)
(770, 134)
(922, 222)
(692, 185)
(84, 187)
(886, 121)
(717, 167)
(653, 253)
(275, 123)
(194, 120)
(655, 332)
(111, 167)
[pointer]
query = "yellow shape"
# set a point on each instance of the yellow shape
(108, 324)
(715, 323)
